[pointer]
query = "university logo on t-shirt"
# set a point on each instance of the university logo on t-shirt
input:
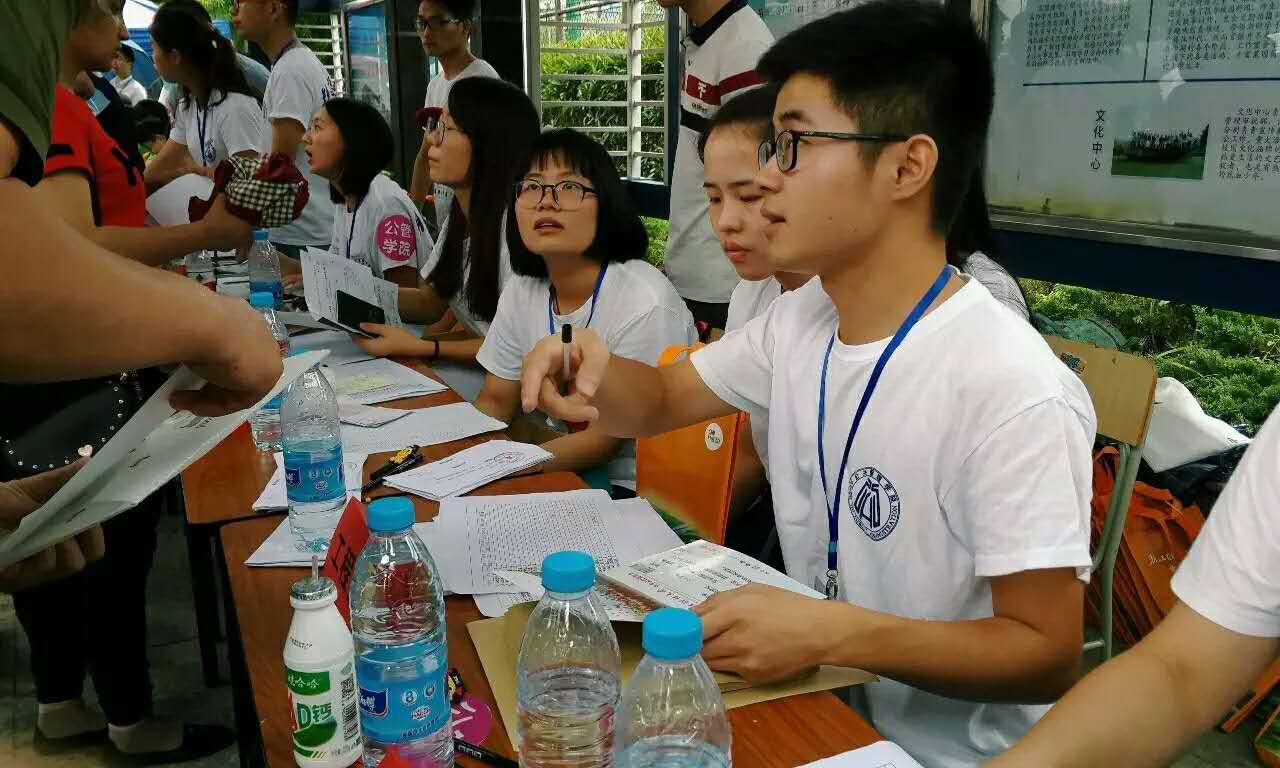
(874, 503)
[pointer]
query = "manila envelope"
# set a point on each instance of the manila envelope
(498, 641)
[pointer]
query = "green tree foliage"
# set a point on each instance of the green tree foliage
(218, 9)
(1229, 360)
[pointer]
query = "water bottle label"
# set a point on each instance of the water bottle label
(273, 287)
(312, 477)
(324, 718)
(402, 710)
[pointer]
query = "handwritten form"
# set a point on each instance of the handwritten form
(688, 575)
(469, 469)
(324, 274)
(376, 381)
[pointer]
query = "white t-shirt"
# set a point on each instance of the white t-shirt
(637, 312)
(438, 96)
(973, 460)
(298, 88)
(130, 90)
(1232, 574)
(719, 61)
(231, 126)
(750, 299)
(458, 303)
(385, 232)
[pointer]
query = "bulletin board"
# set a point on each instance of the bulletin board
(1151, 122)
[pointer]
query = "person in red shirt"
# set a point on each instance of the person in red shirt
(97, 618)
(91, 182)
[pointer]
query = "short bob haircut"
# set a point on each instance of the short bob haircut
(620, 235)
(367, 145)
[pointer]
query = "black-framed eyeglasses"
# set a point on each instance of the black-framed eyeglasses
(435, 23)
(783, 148)
(567, 195)
(437, 129)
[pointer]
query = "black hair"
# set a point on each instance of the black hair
(367, 145)
(620, 235)
(291, 10)
(502, 124)
(462, 10)
(902, 66)
(152, 119)
(751, 111)
(126, 53)
(184, 26)
(971, 232)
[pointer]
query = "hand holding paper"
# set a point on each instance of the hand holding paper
(20, 498)
(757, 631)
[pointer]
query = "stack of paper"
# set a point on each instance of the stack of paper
(467, 470)
(370, 416)
(493, 546)
(324, 274)
(882, 754)
(274, 495)
(377, 381)
(425, 426)
(688, 575)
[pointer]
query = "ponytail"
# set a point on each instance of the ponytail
(184, 26)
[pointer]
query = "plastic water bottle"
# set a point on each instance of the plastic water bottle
(319, 667)
(671, 714)
(264, 268)
(265, 422)
(312, 440)
(397, 617)
(567, 676)
(200, 268)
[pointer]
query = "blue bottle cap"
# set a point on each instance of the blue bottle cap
(262, 300)
(390, 514)
(568, 572)
(672, 634)
(260, 235)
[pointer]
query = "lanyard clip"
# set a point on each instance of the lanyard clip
(832, 588)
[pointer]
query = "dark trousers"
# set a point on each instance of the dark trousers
(98, 618)
(714, 315)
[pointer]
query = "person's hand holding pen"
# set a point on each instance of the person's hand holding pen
(578, 364)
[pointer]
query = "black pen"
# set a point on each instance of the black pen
(566, 345)
(484, 755)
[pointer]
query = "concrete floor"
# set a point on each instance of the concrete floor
(180, 691)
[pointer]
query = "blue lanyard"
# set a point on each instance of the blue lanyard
(833, 507)
(595, 294)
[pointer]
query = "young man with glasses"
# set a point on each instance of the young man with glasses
(724, 42)
(929, 456)
(297, 89)
(445, 29)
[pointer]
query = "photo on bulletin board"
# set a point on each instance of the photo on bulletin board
(369, 53)
(1145, 115)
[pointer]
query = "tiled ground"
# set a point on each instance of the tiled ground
(180, 690)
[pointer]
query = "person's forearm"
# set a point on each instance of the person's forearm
(951, 658)
(125, 315)
(633, 402)
(421, 305)
(580, 451)
(420, 184)
(460, 351)
(153, 246)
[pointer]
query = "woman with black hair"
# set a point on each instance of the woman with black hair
(478, 143)
(577, 248)
(375, 222)
(218, 115)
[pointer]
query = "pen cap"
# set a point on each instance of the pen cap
(566, 333)
(390, 514)
(672, 634)
(568, 572)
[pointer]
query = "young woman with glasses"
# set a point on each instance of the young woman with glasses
(577, 248)
(477, 144)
